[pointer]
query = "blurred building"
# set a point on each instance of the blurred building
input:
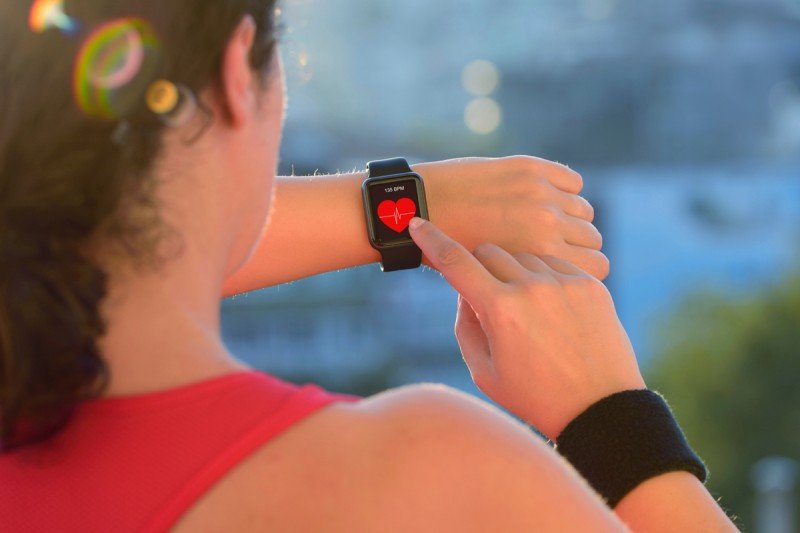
(683, 116)
(351, 323)
(676, 232)
(582, 81)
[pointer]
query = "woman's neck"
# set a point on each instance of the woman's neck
(164, 328)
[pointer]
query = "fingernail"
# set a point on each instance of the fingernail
(415, 223)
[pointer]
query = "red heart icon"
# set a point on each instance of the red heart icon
(397, 215)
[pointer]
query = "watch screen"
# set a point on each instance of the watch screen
(394, 204)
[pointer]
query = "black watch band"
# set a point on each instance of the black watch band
(398, 257)
(387, 167)
(401, 258)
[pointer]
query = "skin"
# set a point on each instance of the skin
(164, 328)
(534, 328)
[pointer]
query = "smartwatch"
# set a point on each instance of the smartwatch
(393, 195)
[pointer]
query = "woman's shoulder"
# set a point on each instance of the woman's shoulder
(358, 465)
(325, 467)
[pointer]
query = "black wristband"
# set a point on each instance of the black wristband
(625, 439)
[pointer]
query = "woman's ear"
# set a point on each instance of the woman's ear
(238, 96)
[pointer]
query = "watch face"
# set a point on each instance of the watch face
(393, 203)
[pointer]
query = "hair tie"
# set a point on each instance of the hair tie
(173, 103)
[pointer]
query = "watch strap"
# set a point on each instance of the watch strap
(388, 167)
(399, 257)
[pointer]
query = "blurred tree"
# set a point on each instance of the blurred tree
(730, 370)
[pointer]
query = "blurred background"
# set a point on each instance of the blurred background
(684, 119)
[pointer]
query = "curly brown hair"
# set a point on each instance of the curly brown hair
(66, 184)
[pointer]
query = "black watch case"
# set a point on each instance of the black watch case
(393, 188)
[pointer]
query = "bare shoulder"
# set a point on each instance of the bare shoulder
(462, 461)
(422, 457)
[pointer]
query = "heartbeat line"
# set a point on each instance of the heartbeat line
(397, 215)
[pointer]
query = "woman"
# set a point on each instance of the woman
(137, 150)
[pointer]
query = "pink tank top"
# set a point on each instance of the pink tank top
(137, 463)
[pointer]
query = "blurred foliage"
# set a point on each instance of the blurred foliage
(730, 370)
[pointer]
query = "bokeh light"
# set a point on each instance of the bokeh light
(483, 115)
(302, 60)
(300, 67)
(480, 78)
(46, 14)
(114, 66)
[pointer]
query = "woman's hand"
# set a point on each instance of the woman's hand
(540, 336)
(521, 203)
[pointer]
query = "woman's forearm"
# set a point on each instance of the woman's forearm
(676, 501)
(317, 226)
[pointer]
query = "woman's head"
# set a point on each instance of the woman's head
(85, 158)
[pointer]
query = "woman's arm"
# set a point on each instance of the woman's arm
(315, 227)
(676, 501)
(522, 203)
(543, 340)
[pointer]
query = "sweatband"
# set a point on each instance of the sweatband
(624, 439)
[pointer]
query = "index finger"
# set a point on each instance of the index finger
(458, 266)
